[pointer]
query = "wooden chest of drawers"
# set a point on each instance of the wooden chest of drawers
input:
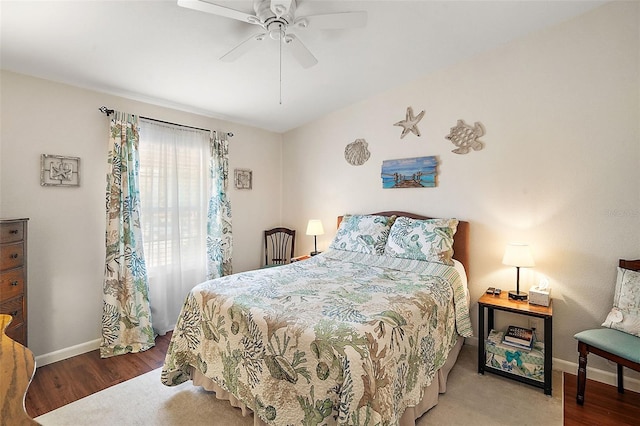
(13, 276)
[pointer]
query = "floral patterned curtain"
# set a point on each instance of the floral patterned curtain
(126, 316)
(219, 238)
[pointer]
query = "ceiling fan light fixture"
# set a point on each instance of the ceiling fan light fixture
(276, 34)
(277, 29)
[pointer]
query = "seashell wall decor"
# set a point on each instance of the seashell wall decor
(357, 153)
(466, 137)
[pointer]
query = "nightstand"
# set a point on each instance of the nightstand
(502, 303)
(299, 258)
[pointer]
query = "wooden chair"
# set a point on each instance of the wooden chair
(614, 345)
(279, 245)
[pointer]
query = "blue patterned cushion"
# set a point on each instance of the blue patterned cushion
(612, 341)
(429, 239)
(625, 314)
(363, 233)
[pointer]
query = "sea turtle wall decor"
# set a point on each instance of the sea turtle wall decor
(357, 153)
(466, 137)
(410, 123)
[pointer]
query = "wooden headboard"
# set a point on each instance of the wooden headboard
(634, 265)
(460, 239)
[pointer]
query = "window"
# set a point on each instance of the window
(174, 188)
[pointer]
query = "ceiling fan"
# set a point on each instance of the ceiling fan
(276, 18)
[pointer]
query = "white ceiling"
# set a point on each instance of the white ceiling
(158, 52)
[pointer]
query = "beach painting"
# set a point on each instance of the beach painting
(418, 172)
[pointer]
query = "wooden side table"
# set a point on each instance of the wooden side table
(299, 258)
(502, 303)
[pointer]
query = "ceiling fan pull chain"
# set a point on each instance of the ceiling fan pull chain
(280, 43)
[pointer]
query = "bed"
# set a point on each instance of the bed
(363, 333)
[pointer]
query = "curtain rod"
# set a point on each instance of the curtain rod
(103, 109)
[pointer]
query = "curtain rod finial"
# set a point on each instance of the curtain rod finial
(103, 109)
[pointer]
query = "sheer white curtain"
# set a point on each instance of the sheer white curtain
(174, 196)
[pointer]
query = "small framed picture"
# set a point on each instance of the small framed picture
(58, 170)
(243, 178)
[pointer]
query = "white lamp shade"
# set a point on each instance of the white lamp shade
(518, 255)
(314, 227)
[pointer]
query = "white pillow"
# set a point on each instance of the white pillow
(363, 233)
(429, 239)
(625, 314)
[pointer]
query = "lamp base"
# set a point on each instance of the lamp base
(517, 295)
(313, 253)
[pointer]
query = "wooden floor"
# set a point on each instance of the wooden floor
(603, 405)
(62, 382)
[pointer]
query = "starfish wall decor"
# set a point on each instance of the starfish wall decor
(410, 123)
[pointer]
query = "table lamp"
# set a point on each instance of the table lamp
(518, 255)
(314, 227)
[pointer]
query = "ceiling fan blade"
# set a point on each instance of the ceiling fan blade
(280, 7)
(300, 51)
(243, 48)
(333, 21)
(205, 6)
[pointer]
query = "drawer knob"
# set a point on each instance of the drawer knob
(14, 255)
(13, 231)
(14, 283)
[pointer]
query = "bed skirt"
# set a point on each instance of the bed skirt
(411, 414)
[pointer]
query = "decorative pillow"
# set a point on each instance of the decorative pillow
(363, 233)
(430, 239)
(625, 314)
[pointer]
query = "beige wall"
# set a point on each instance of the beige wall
(67, 225)
(560, 170)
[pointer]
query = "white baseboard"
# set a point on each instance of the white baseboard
(592, 373)
(69, 352)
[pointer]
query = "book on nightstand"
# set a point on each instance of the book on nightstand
(519, 337)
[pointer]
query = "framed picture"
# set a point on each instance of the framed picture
(58, 170)
(243, 178)
(418, 172)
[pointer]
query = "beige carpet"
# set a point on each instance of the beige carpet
(471, 399)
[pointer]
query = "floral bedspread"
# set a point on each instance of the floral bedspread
(341, 338)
